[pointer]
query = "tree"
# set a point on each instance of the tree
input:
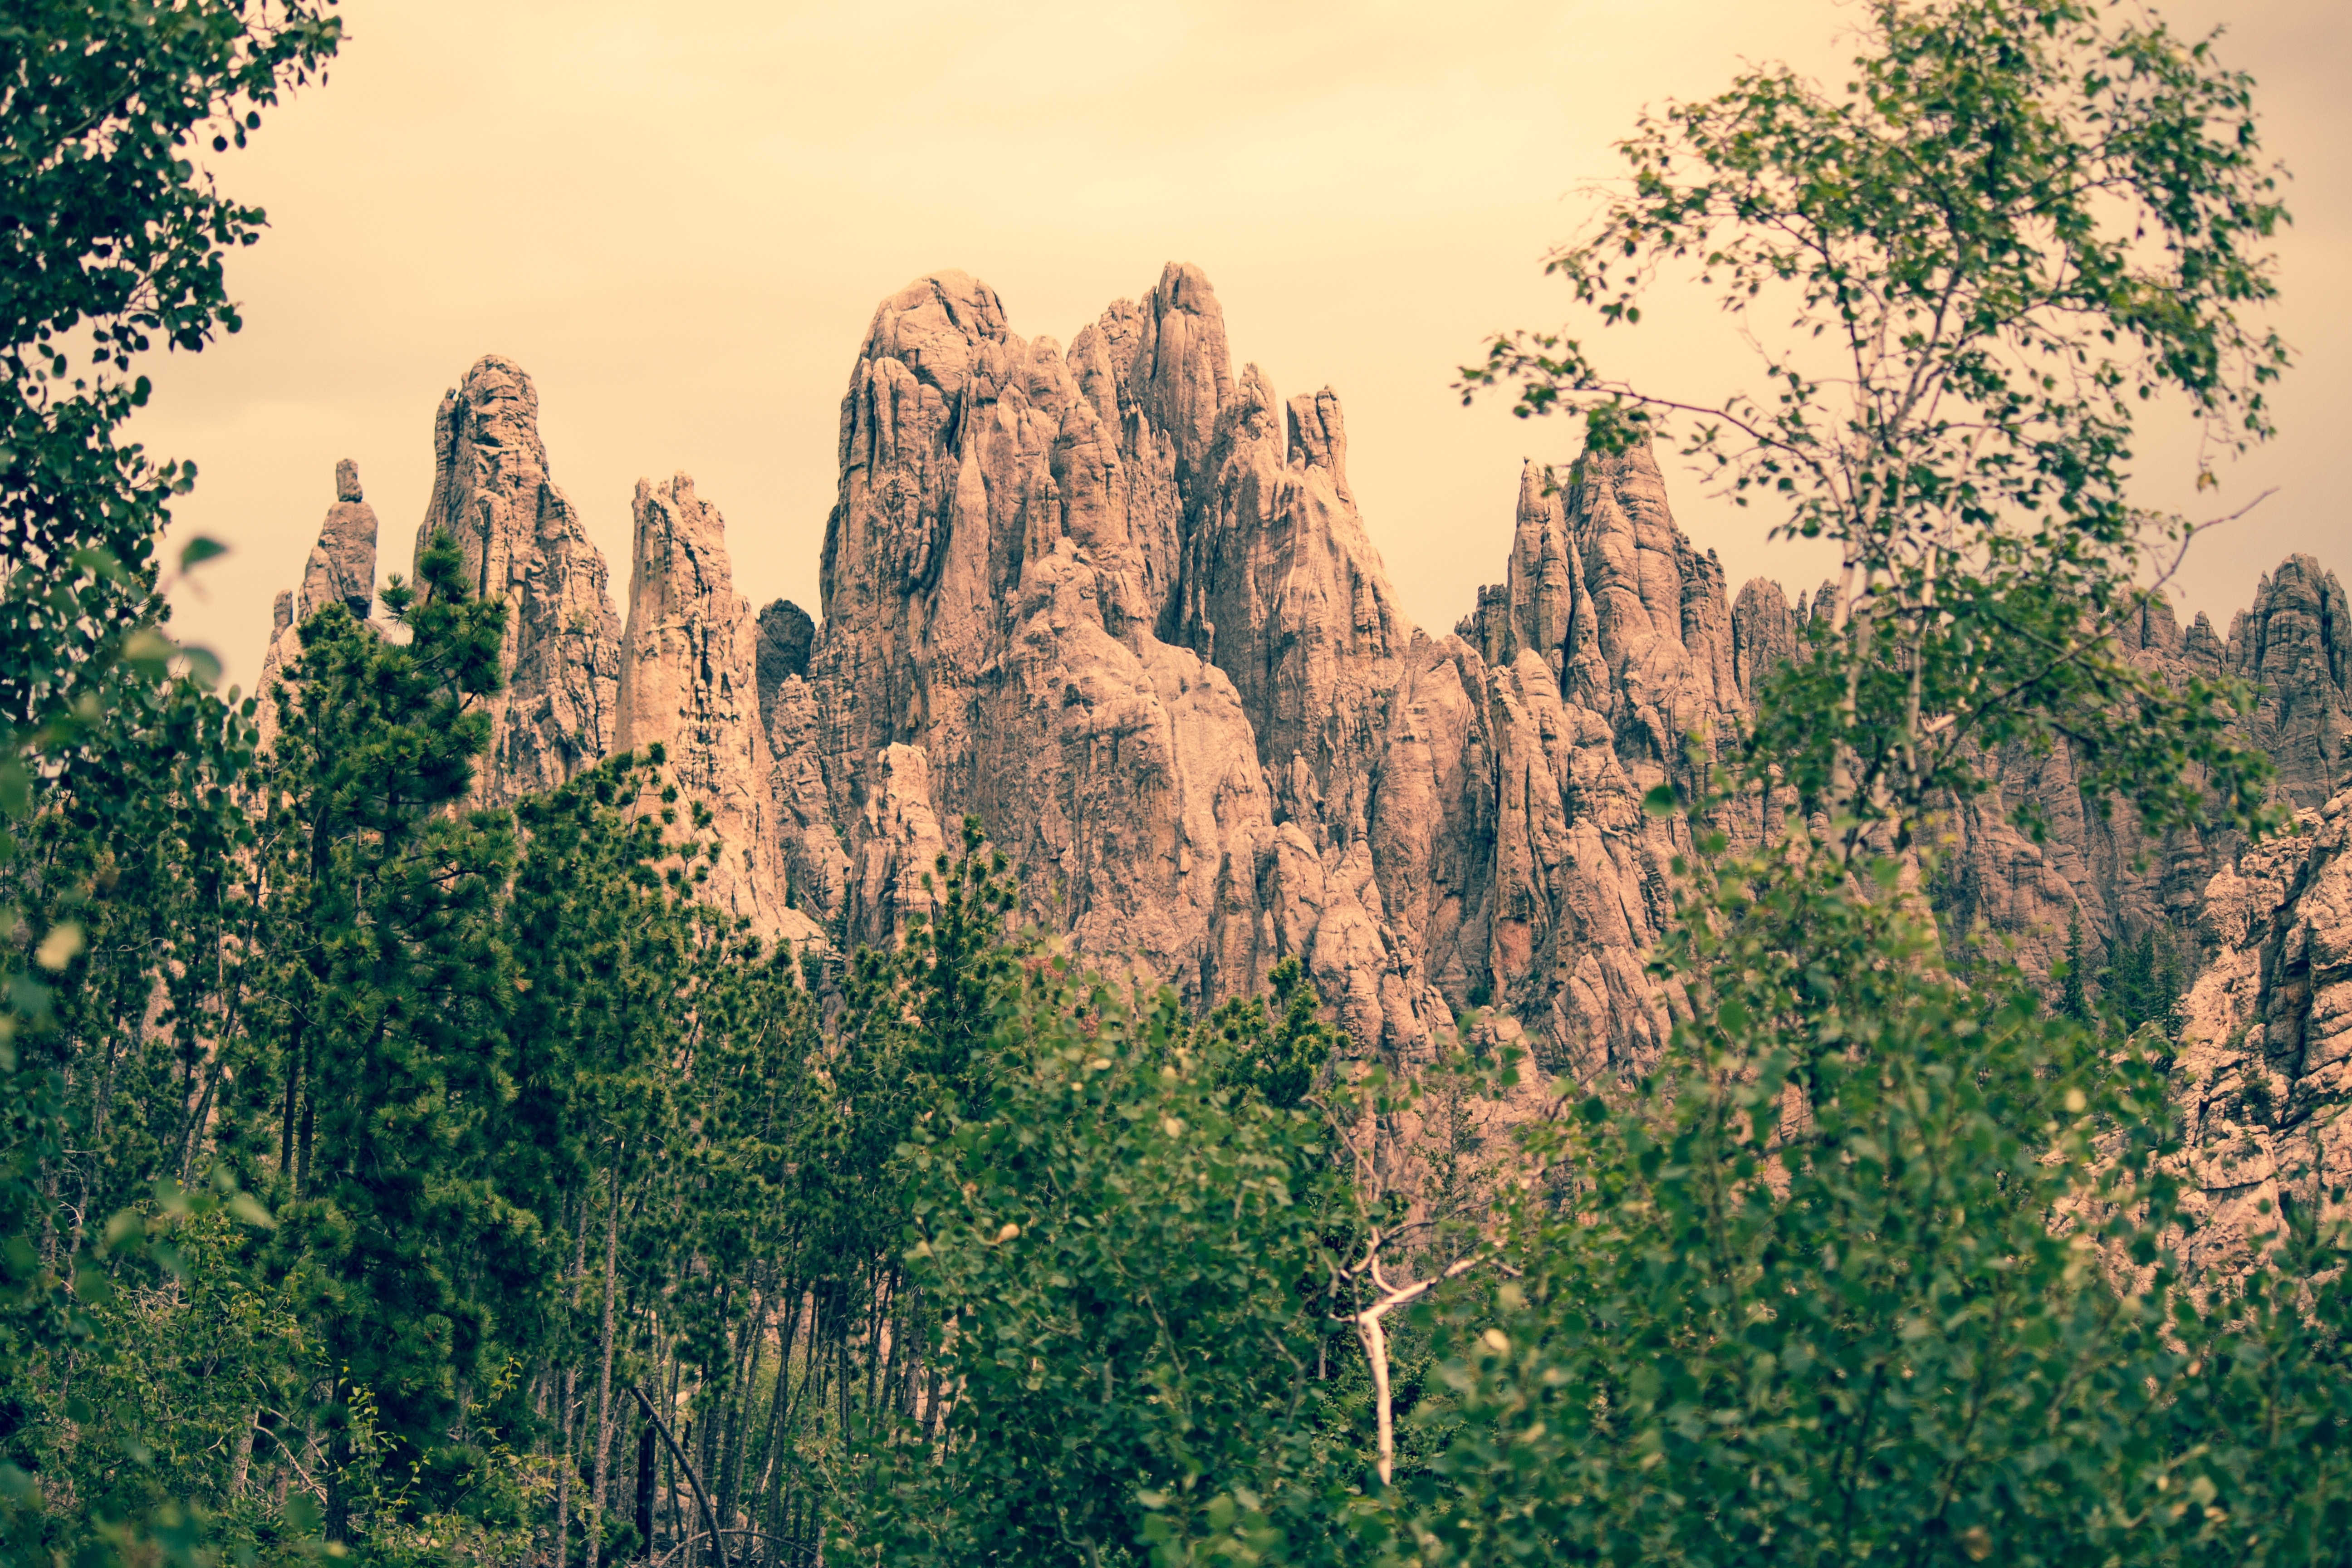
(384, 895)
(113, 239)
(2021, 222)
(2073, 996)
(2144, 983)
(1880, 1266)
(1878, 1262)
(1122, 1252)
(114, 236)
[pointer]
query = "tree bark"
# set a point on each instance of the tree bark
(242, 1466)
(563, 1478)
(645, 1490)
(710, 1517)
(604, 1359)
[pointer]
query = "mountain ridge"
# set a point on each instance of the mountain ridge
(1120, 603)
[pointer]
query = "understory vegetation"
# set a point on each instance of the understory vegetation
(390, 1178)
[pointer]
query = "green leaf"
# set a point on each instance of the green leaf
(199, 549)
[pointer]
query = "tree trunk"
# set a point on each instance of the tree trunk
(604, 1365)
(645, 1490)
(563, 1478)
(338, 1501)
(242, 1464)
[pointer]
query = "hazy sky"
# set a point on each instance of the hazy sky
(679, 219)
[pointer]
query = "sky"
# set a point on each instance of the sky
(680, 218)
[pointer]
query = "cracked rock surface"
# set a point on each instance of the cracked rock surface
(1120, 602)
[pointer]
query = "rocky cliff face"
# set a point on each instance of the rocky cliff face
(2295, 645)
(689, 683)
(524, 542)
(1120, 603)
(2265, 1063)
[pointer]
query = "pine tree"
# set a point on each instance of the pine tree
(382, 895)
(2073, 997)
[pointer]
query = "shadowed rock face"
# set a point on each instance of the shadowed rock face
(786, 634)
(1120, 604)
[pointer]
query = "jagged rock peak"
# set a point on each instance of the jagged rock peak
(524, 542)
(342, 566)
(1164, 356)
(2295, 643)
(1025, 577)
(689, 683)
(1763, 633)
(934, 327)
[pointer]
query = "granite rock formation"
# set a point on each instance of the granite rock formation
(689, 683)
(993, 570)
(340, 568)
(2293, 644)
(1120, 604)
(2264, 1069)
(342, 564)
(524, 542)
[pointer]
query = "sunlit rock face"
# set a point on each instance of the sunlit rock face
(1001, 551)
(1120, 603)
(690, 684)
(524, 544)
(1125, 604)
(341, 570)
(2264, 1068)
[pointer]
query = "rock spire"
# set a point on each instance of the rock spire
(689, 683)
(341, 570)
(1122, 604)
(524, 543)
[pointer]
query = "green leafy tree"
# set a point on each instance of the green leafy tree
(1879, 1266)
(1124, 1255)
(2146, 983)
(1278, 1051)
(2022, 221)
(1878, 1263)
(2073, 991)
(114, 241)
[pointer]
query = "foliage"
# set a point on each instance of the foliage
(2146, 982)
(109, 758)
(114, 239)
(1122, 1250)
(1277, 1059)
(2073, 995)
(949, 1253)
(1879, 1266)
(2022, 221)
(392, 986)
